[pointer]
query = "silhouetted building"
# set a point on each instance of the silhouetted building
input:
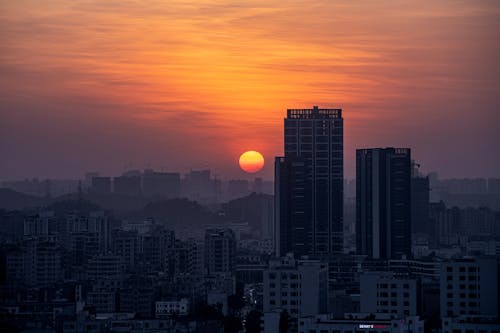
(125, 245)
(420, 205)
(386, 292)
(127, 185)
(165, 185)
(198, 186)
(299, 287)
(383, 202)
(237, 188)
(101, 185)
(154, 247)
(309, 183)
(35, 263)
(220, 250)
(494, 185)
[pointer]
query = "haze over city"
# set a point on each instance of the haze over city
(114, 85)
(217, 166)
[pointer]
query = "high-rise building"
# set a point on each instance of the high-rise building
(383, 202)
(309, 184)
(220, 250)
(419, 202)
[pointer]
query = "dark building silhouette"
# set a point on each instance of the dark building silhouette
(238, 188)
(220, 250)
(165, 185)
(420, 203)
(309, 183)
(127, 185)
(383, 202)
(101, 185)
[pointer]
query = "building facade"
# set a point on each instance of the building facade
(309, 184)
(383, 202)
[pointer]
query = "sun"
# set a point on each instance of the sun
(251, 161)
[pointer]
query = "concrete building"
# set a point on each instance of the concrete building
(220, 250)
(35, 263)
(469, 287)
(299, 287)
(385, 292)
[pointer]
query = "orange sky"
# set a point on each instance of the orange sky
(108, 85)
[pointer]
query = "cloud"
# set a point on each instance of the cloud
(167, 81)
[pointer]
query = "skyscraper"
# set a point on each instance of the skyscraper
(419, 202)
(383, 213)
(309, 183)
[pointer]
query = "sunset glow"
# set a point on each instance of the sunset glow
(127, 79)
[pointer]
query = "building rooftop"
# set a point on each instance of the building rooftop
(314, 113)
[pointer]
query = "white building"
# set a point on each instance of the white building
(298, 287)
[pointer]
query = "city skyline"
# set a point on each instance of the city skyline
(137, 86)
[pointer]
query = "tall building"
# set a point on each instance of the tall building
(309, 184)
(420, 203)
(220, 250)
(383, 202)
